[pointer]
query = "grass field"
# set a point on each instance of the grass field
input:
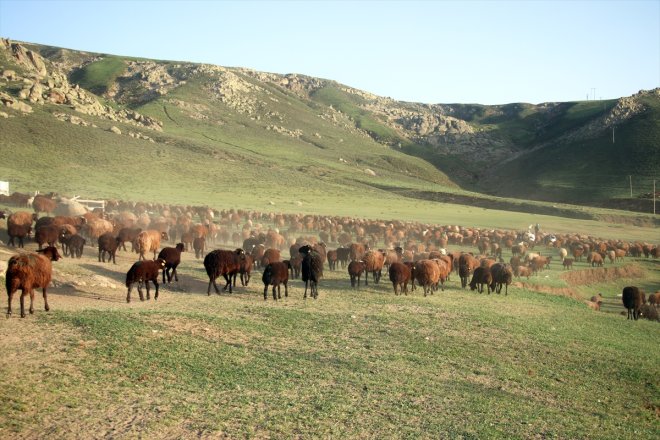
(352, 364)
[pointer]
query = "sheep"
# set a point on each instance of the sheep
(245, 270)
(501, 275)
(276, 273)
(444, 269)
(109, 244)
(27, 272)
(373, 261)
(332, 259)
(593, 305)
(523, 271)
(43, 204)
(149, 241)
(654, 299)
(357, 251)
(411, 266)
(95, 227)
(633, 299)
(568, 263)
(355, 269)
(143, 272)
(225, 263)
(343, 255)
(427, 275)
(595, 259)
(270, 256)
(128, 234)
(46, 235)
(73, 243)
(400, 275)
(480, 277)
(312, 269)
(199, 245)
(19, 225)
(466, 264)
(172, 258)
(563, 253)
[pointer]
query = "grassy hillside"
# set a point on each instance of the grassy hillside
(99, 76)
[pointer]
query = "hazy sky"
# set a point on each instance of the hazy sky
(488, 52)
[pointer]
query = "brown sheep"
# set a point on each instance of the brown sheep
(523, 271)
(74, 244)
(225, 263)
(130, 235)
(27, 272)
(270, 255)
(502, 275)
(143, 272)
(633, 300)
(568, 263)
(466, 264)
(343, 255)
(427, 275)
(149, 241)
(19, 225)
(355, 270)
(109, 244)
(481, 277)
(94, 228)
(595, 259)
(332, 259)
(276, 273)
(593, 305)
(43, 204)
(199, 246)
(400, 275)
(47, 235)
(245, 270)
(357, 251)
(444, 269)
(654, 299)
(373, 261)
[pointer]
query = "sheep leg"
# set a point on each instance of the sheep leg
(146, 283)
(228, 281)
(176, 276)
(140, 291)
(10, 296)
(274, 294)
(46, 306)
(128, 294)
(305, 295)
(286, 289)
(100, 252)
(155, 284)
(265, 292)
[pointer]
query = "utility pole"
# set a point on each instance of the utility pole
(613, 134)
(653, 196)
(630, 177)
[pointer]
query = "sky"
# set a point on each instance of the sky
(485, 52)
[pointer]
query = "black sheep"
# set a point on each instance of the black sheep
(172, 257)
(225, 263)
(312, 269)
(633, 300)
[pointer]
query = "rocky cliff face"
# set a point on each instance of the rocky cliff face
(41, 82)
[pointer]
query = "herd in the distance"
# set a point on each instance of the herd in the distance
(412, 254)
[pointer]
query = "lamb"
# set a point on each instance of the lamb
(523, 271)
(27, 272)
(568, 263)
(199, 245)
(654, 299)
(427, 275)
(343, 255)
(225, 263)
(19, 225)
(355, 269)
(480, 277)
(108, 244)
(466, 264)
(633, 300)
(43, 204)
(149, 241)
(501, 275)
(444, 269)
(276, 273)
(172, 258)
(373, 261)
(400, 275)
(357, 251)
(143, 272)
(312, 269)
(73, 243)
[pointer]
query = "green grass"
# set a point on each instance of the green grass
(99, 76)
(352, 364)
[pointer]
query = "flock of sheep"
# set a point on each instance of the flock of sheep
(416, 253)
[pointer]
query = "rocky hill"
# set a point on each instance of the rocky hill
(474, 145)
